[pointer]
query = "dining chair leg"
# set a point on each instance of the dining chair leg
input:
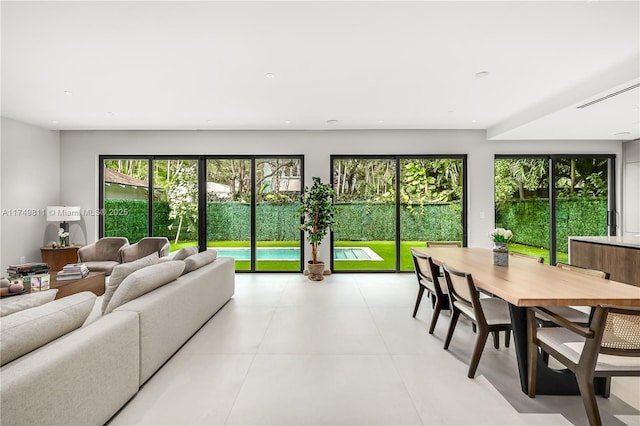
(420, 293)
(585, 384)
(452, 325)
(481, 340)
(532, 353)
(606, 392)
(436, 313)
(507, 338)
(496, 339)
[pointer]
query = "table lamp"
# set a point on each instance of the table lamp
(63, 214)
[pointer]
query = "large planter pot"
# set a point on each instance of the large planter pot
(316, 271)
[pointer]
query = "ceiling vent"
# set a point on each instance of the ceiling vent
(611, 95)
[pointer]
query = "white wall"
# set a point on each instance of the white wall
(30, 180)
(631, 188)
(80, 150)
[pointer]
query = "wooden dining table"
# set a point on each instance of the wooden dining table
(525, 283)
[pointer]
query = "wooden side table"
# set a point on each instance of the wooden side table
(56, 258)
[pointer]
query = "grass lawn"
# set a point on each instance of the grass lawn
(536, 251)
(385, 249)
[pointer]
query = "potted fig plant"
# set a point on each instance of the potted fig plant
(317, 213)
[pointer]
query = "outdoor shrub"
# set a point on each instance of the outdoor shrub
(529, 220)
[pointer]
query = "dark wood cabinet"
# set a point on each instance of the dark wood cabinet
(56, 258)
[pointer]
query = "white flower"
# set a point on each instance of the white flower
(500, 235)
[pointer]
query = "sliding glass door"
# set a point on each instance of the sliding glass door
(245, 207)
(229, 200)
(580, 202)
(386, 205)
(175, 201)
(431, 198)
(364, 236)
(278, 188)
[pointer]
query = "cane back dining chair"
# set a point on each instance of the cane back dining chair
(608, 346)
(567, 312)
(427, 274)
(489, 314)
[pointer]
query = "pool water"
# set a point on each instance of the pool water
(293, 253)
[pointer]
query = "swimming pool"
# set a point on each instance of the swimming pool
(293, 253)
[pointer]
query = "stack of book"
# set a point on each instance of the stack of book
(26, 269)
(73, 271)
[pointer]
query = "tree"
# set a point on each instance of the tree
(183, 196)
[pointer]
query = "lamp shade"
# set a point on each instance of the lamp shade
(63, 214)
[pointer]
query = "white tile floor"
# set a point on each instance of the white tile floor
(345, 351)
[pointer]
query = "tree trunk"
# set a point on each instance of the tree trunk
(178, 233)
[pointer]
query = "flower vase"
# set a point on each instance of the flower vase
(500, 254)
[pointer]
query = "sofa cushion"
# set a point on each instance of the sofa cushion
(198, 260)
(145, 280)
(26, 301)
(121, 272)
(24, 331)
(185, 252)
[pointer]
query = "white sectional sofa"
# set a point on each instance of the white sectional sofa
(84, 377)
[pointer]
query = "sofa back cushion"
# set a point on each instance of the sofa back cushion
(145, 280)
(24, 331)
(198, 260)
(20, 303)
(121, 272)
(185, 252)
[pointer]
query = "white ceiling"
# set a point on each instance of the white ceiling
(369, 65)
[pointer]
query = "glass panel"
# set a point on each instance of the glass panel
(175, 201)
(229, 209)
(431, 196)
(365, 230)
(582, 200)
(522, 203)
(278, 188)
(126, 199)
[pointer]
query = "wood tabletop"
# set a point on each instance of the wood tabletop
(528, 283)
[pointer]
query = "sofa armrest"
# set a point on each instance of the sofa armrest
(84, 377)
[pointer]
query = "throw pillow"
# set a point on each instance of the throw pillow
(185, 252)
(25, 331)
(121, 272)
(145, 280)
(198, 260)
(20, 303)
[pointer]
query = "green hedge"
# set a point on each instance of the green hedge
(529, 220)
(376, 222)
(229, 221)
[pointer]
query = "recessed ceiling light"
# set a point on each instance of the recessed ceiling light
(68, 92)
(482, 74)
(54, 121)
(287, 122)
(209, 121)
(332, 121)
(270, 75)
(622, 134)
(474, 121)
